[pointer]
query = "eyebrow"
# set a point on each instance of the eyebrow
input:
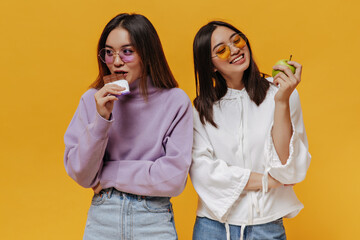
(223, 42)
(126, 45)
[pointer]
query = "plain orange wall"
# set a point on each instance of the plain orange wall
(48, 59)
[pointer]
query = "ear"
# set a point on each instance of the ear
(215, 70)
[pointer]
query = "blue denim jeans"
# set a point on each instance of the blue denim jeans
(206, 229)
(118, 215)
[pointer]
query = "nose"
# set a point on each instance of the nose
(118, 61)
(233, 49)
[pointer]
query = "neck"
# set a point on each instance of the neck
(235, 82)
(135, 88)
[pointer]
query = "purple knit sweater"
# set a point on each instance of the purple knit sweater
(144, 149)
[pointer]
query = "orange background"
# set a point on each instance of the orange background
(48, 59)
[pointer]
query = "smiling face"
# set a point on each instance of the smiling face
(130, 64)
(232, 68)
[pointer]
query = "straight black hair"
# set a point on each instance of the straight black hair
(146, 42)
(211, 86)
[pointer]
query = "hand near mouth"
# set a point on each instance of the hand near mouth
(105, 99)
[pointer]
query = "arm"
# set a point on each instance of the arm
(85, 142)
(255, 182)
(282, 129)
(297, 164)
(87, 135)
(167, 175)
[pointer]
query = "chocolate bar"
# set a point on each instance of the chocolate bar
(113, 77)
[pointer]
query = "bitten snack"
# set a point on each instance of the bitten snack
(119, 80)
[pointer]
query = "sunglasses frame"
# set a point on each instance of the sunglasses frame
(231, 43)
(120, 54)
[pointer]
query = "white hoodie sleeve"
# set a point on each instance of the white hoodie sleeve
(297, 164)
(216, 183)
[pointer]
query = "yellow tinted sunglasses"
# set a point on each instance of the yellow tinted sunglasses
(223, 51)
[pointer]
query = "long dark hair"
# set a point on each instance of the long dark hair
(211, 86)
(146, 42)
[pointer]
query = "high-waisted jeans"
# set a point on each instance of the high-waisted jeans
(123, 216)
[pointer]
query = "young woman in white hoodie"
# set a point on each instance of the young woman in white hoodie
(250, 145)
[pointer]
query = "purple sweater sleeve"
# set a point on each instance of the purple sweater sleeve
(167, 175)
(85, 143)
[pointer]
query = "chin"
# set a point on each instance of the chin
(131, 80)
(245, 66)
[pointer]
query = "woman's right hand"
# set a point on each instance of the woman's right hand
(255, 182)
(104, 99)
(97, 188)
(273, 183)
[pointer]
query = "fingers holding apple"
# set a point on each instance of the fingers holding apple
(279, 67)
(290, 68)
(287, 75)
(286, 87)
(291, 71)
(298, 69)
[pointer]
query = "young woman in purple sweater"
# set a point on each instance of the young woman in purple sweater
(134, 150)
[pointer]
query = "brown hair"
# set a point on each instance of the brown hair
(147, 44)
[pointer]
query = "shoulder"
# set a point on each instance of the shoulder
(178, 93)
(87, 98)
(294, 97)
(273, 90)
(196, 114)
(177, 96)
(89, 94)
(196, 117)
(197, 121)
(175, 102)
(270, 79)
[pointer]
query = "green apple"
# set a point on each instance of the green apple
(283, 62)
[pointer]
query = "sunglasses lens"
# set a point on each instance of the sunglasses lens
(239, 42)
(127, 55)
(223, 52)
(106, 55)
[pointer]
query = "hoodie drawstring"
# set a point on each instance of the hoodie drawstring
(242, 229)
(227, 228)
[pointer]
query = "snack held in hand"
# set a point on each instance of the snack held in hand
(119, 80)
(283, 62)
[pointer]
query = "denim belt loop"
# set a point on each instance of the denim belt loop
(109, 192)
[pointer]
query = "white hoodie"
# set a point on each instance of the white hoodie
(223, 158)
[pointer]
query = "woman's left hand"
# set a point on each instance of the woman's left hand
(286, 80)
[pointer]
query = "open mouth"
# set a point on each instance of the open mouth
(237, 59)
(121, 72)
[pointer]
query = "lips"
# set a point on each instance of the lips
(240, 58)
(121, 72)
